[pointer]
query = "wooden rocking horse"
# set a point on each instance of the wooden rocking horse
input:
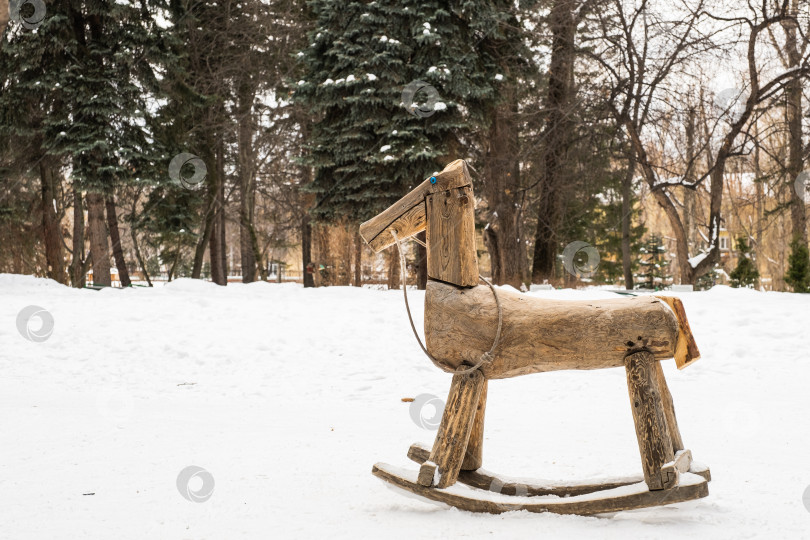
(478, 333)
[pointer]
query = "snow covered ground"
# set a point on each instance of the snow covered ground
(287, 397)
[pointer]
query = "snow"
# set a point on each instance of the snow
(385, 148)
(371, 76)
(287, 397)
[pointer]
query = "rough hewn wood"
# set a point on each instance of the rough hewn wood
(542, 335)
(654, 443)
(451, 237)
(409, 224)
(683, 460)
(701, 470)
(454, 429)
(538, 335)
(474, 456)
(427, 473)
(623, 498)
(686, 350)
(456, 174)
(669, 408)
(483, 479)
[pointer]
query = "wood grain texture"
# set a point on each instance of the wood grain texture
(669, 408)
(451, 237)
(454, 175)
(683, 460)
(584, 505)
(483, 479)
(654, 443)
(408, 224)
(542, 335)
(686, 350)
(455, 427)
(474, 456)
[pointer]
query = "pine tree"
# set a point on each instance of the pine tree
(746, 273)
(653, 269)
(707, 280)
(368, 145)
(798, 275)
(77, 91)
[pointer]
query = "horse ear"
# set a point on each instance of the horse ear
(407, 215)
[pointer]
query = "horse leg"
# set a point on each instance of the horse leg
(450, 445)
(473, 457)
(654, 442)
(669, 409)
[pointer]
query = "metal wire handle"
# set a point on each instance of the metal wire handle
(486, 357)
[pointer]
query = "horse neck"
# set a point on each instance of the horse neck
(451, 237)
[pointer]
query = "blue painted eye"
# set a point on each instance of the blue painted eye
(432, 179)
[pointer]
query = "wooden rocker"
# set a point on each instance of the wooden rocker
(477, 333)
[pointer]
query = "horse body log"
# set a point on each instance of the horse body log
(543, 335)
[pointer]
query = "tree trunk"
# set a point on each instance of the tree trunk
(394, 271)
(134, 236)
(358, 260)
(204, 238)
(99, 248)
(77, 263)
(223, 248)
(248, 254)
(627, 201)
(421, 263)
(689, 178)
(50, 223)
(556, 140)
(306, 250)
(759, 259)
(793, 95)
(115, 238)
(507, 250)
(216, 247)
(324, 258)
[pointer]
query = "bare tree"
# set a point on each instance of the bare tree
(646, 56)
(792, 55)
